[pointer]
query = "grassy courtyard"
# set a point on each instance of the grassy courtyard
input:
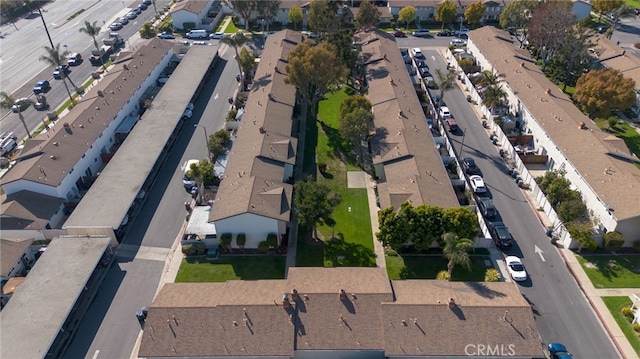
(352, 244)
(615, 305)
(231, 268)
(428, 266)
(612, 271)
(623, 130)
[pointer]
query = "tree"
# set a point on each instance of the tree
(321, 18)
(368, 16)
(446, 12)
(147, 31)
(474, 13)
(492, 275)
(581, 233)
(354, 126)
(342, 42)
(603, 7)
(236, 40)
(314, 203)
(93, 30)
(460, 221)
(571, 210)
(202, 172)
(247, 63)
(393, 230)
(619, 13)
(516, 15)
(55, 58)
(313, 70)
(268, 9)
(571, 59)
(493, 96)
(556, 188)
(613, 241)
(407, 14)
(547, 27)
(244, 8)
(445, 81)
(7, 102)
(295, 16)
(218, 142)
(600, 91)
(489, 78)
(456, 250)
(351, 103)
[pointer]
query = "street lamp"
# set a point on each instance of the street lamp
(44, 23)
(206, 139)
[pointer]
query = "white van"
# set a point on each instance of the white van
(197, 34)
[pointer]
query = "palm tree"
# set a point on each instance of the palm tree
(445, 82)
(147, 31)
(93, 30)
(236, 40)
(490, 78)
(6, 101)
(56, 58)
(493, 96)
(456, 250)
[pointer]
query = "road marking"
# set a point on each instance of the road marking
(95, 355)
(216, 96)
(539, 251)
(433, 58)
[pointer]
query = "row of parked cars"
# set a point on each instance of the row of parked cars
(131, 15)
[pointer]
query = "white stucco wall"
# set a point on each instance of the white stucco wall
(255, 227)
(181, 16)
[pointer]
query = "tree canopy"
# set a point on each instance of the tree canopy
(516, 15)
(236, 41)
(218, 141)
(445, 81)
(322, 16)
(603, 7)
(571, 59)
(295, 16)
(147, 31)
(456, 250)
(368, 16)
(268, 9)
(407, 14)
(247, 62)
(600, 91)
(244, 8)
(354, 126)
(547, 27)
(474, 13)
(314, 203)
(446, 12)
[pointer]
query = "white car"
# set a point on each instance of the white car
(187, 113)
(417, 53)
(217, 35)
(444, 112)
(516, 269)
(458, 42)
(477, 183)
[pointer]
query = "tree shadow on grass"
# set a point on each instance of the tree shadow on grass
(344, 254)
(339, 149)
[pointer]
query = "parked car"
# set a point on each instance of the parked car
(477, 184)
(399, 33)
(458, 43)
(136, 10)
(451, 124)
(74, 59)
(41, 86)
(444, 112)
(20, 105)
(187, 181)
(132, 15)
(420, 64)
(41, 104)
(166, 35)
(558, 351)
(142, 313)
(217, 35)
(187, 113)
(143, 6)
(516, 268)
(500, 234)
(602, 29)
(411, 70)
(190, 106)
(61, 70)
(462, 31)
(421, 33)
(417, 53)
(123, 20)
(444, 33)
(115, 26)
(469, 166)
(437, 100)
(146, 2)
(487, 208)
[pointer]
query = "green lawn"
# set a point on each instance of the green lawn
(229, 29)
(624, 273)
(633, 3)
(615, 305)
(231, 268)
(427, 267)
(353, 241)
(624, 131)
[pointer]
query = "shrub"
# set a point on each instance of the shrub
(263, 247)
(322, 167)
(188, 25)
(636, 326)
(443, 275)
(627, 312)
(194, 249)
(393, 24)
(350, 91)
(390, 253)
(225, 240)
(272, 240)
(241, 240)
(231, 115)
(492, 275)
(613, 241)
(570, 210)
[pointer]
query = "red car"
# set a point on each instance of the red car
(399, 33)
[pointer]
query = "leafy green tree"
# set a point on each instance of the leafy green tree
(612, 121)
(516, 15)
(313, 70)
(490, 78)
(445, 81)
(571, 59)
(244, 8)
(247, 63)
(393, 231)
(314, 203)
(295, 16)
(474, 13)
(603, 7)
(54, 57)
(93, 30)
(446, 12)
(351, 103)
(321, 18)
(547, 27)
(581, 232)
(268, 9)
(237, 40)
(218, 142)
(600, 91)
(456, 250)
(613, 241)
(432, 223)
(354, 126)
(368, 16)
(7, 102)
(460, 221)
(147, 31)
(556, 188)
(202, 172)
(571, 210)
(407, 15)
(342, 42)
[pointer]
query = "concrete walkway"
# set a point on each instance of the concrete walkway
(370, 185)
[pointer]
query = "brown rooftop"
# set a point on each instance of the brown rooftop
(615, 182)
(27, 210)
(403, 144)
(614, 57)
(11, 250)
(53, 154)
(194, 6)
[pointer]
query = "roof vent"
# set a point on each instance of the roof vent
(294, 294)
(342, 294)
(55, 143)
(100, 93)
(522, 64)
(547, 91)
(452, 302)
(81, 125)
(53, 157)
(126, 67)
(285, 300)
(97, 108)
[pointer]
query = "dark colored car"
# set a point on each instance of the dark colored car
(424, 72)
(500, 234)
(420, 64)
(399, 33)
(60, 70)
(444, 33)
(469, 166)
(141, 314)
(559, 351)
(41, 86)
(486, 207)
(602, 29)
(143, 6)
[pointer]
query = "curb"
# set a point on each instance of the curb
(55, 26)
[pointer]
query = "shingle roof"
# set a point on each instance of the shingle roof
(616, 182)
(53, 154)
(194, 6)
(253, 179)
(27, 210)
(10, 252)
(614, 57)
(403, 142)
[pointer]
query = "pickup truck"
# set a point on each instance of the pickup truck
(7, 143)
(110, 45)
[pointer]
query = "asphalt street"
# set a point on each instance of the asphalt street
(561, 310)
(110, 328)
